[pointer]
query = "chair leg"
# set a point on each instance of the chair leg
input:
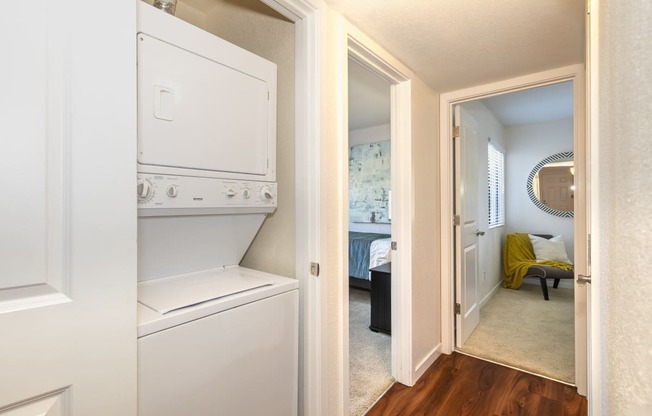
(544, 287)
(556, 284)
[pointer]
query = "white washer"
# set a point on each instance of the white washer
(218, 342)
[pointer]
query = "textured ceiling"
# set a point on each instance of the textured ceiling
(369, 98)
(453, 44)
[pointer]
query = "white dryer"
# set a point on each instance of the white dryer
(214, 338)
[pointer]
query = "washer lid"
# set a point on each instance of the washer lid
(177, 292)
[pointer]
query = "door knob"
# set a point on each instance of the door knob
(583, 280)
(479, 233)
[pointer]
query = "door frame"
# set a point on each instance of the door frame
(594, 386)
(313, 359)
(369, 55)
(573, 73)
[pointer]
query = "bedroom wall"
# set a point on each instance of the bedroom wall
(367, 135)
(490, 245)
(529, 144)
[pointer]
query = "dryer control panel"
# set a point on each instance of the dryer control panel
(183, 195)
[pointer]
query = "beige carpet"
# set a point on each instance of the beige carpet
(519, 328)
(370, 356)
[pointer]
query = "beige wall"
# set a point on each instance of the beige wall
(625, 213)
(253, 26)
(426, 283)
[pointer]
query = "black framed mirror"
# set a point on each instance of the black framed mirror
(551, 185)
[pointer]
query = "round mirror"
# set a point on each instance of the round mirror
(551, 185)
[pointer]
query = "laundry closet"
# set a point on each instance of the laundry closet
(214, 337)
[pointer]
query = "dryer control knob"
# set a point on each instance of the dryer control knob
(144, 190)
(266, 194)
(172, 191)
(246, 193)
(231, 193)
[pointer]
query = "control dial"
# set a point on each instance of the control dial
(144, 189)
(266, 194)
(246, 193)
(172, 191)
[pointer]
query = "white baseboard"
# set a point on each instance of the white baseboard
(426, 363)
(491, 293)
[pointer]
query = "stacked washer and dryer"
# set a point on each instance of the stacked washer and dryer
(214, 338)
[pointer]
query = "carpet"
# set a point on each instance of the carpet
(370, 356)
(519, 328)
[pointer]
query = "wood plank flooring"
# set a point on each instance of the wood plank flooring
(457, 384)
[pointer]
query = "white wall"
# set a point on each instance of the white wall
(529, 144)
(490, 245)
(367, 135)
(624, 214)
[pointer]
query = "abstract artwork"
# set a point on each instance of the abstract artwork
(369, 183)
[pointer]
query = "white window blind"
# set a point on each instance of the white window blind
(496, 179)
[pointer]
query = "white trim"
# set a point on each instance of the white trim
(573, 73)
(421, 368)
(491, 294)
(403, 196)
(594, 352)
(367, 53)
(313, 385)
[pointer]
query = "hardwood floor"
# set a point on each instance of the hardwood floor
(457, 384)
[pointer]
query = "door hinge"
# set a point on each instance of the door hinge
(458, 309)
(394, 245)
(456, 132)
(314, 268)
(456, 220)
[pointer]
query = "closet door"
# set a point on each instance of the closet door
(68, 212)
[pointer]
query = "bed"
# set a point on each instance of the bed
(366, 250)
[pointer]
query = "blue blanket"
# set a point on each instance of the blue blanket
(359, 247)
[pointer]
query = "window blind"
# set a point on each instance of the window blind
(496, 181)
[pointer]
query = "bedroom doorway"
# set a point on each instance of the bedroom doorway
(504, 138)
(526, 146)
(369, 236)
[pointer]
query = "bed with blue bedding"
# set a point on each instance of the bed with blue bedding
(363, 249)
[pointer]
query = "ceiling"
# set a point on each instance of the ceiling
(369, 98)
(453, 44)
(535, 105)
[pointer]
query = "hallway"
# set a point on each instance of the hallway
(457, 384)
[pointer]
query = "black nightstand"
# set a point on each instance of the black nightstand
(381, 298)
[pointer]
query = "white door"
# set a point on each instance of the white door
(556, 187)
(466, 238)
(68, 212)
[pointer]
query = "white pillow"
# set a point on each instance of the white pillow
(549, 250)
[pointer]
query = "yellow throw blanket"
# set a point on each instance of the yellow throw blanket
(518, 257)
